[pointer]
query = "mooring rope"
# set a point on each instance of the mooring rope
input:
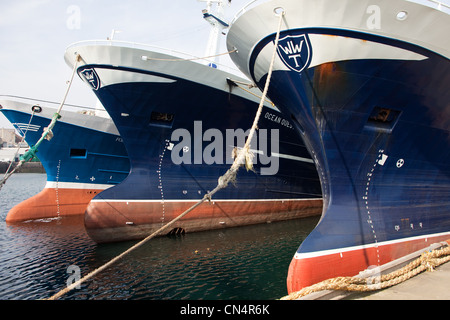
(188, 59)
(244, 157)
(47, 134)
(249, 86)
(427, 261)
(7, 173)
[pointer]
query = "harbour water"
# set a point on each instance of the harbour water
(38, 258)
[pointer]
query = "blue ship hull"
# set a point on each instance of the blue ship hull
(80, 162)
(383, 153)
(158, 189)
(379, 130)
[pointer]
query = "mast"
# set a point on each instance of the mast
(216, 19)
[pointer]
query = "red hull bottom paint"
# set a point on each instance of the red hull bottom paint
(314, 268)
(109, 221)
(51, 202)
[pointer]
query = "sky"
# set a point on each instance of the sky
(34, 35)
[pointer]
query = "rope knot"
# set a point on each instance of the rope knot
(245, 156)
(429, 263)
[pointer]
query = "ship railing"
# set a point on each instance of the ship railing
(98, 110)
(147, 47)
(435, 4)
(244, 9)
(50, 104)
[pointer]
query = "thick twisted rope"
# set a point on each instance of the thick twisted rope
(426, 262)
(244, 156)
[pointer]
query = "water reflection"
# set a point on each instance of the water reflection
(239, 263)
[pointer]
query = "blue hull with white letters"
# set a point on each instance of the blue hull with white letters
(179, 137)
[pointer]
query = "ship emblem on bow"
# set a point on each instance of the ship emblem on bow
(90, 76)
(295, 51)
